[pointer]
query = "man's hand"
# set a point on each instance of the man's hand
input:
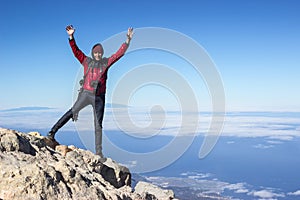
(70, 31)
(129, 35)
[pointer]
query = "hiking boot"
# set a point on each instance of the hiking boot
(50, 141)
(102, 159)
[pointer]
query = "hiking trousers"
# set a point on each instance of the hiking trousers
(84, 99)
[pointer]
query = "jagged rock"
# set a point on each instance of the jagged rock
(116, 174)
(30, 169)
(13, 141)
(150, 191)
(35, 134)
(62, 149)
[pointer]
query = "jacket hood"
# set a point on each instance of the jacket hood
(97, 48)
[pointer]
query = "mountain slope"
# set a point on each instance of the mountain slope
(30, 169)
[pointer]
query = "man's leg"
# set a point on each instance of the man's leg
(98, 141)
(80, 103)
(60, 123)
(98, 118)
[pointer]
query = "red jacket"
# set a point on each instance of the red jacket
(96, 71)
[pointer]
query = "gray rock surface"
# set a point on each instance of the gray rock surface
(152, 191)
(29, 169)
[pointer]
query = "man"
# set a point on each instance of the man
(93, 85)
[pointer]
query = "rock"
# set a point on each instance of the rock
(35, 134)
(62, 149)
(30, 169)
(11, 140)
(150, 191)
(116, 174)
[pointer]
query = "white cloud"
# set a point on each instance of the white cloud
(242, 191)
(237, 187)
(297, 193)
(272, 125)
(262, 146)
(274, 142)
(194, 175)
(130, 164)
(282, 137)
(260, 126)
(199, 176)
(230, 142)
(235, 125)
(265, 194)
(142, 123)
(205, 187)
(32, 119)
(214, 186)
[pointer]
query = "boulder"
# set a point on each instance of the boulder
(150, 191)
(30, 169)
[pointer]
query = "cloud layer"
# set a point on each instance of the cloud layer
(146, 123)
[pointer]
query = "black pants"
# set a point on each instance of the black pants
(84, 99)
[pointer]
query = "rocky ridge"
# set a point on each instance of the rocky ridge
(33, 168)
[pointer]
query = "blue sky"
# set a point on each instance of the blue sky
(254, 44)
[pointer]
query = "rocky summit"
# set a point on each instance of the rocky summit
(32, 168)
